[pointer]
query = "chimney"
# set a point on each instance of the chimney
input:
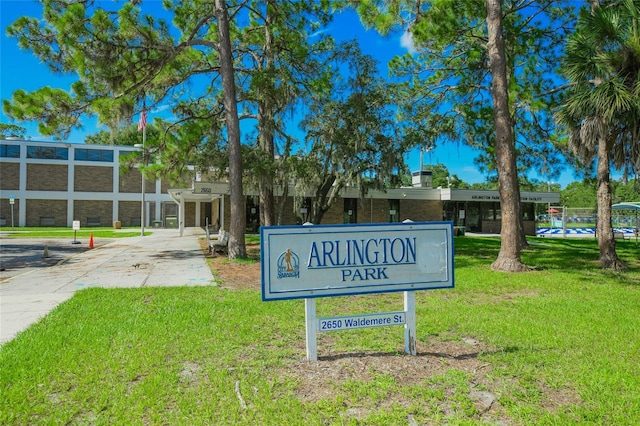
(422, 179)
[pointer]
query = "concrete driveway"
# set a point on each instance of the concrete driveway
(31, 285)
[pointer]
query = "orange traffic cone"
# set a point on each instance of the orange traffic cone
(91, 241)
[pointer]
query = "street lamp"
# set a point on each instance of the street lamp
(144, 163)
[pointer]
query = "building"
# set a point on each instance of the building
(54, 184)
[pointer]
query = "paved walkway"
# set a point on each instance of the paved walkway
(33, 286)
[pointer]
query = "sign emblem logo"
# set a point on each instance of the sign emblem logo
(288, 265)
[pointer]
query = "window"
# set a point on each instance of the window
(448, 212)
(498, 211)
(10, 151)
(487, 211)
(103, 155)
(528, 211)
(47, 152)
(350, 214)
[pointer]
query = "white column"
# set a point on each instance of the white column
(311, 329)
(158, 199)
(222, 211)
(115, 208)
(21, 202)
(116, 185)
(71, 176)
(198, 215)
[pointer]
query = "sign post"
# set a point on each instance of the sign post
(410, 323)
(12, 201)
(76, 227)
(307, 262)
(311, 329)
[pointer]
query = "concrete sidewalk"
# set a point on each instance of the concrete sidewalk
(161, 259)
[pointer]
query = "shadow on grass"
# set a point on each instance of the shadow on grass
(577, 254)
(393, 354)
(475, 251)
(353, 355)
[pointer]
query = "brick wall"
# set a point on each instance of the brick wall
(5, 211)
(129, 213)
(335, 214)
(84, 209)
(190, 215)
(227, 212)
(289, 216)
(47, 177)
(152, 212)
(39, 209)
(184, 182)
(495, 226)
(373, 210)
(420, 210)
(376, 210)
(93, 179)
(131, 181)
(491, 226)
(9, 176)
(165, 185)
(529, 227)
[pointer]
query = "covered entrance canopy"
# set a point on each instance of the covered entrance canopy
(202, 192)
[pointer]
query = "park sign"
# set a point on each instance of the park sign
(337, 260)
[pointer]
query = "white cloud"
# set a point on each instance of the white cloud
(160, 108)
(406, 41)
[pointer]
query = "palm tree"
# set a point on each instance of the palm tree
(602, 109)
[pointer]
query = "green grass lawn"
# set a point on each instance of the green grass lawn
(558, 345)
(51, 232)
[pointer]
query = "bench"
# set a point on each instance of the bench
(93, 221)
(219, 244)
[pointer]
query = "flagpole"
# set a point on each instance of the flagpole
(142, 125)
(144, 162)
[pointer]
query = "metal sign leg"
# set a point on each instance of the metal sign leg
(311, 329)
(410, 325)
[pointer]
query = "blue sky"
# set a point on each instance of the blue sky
(20, 70)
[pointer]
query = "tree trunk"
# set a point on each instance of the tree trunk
(266, 125)
(321, 202)
(238, 221)
(282, 204)
(606, 242)
(266, 145)
(524, 244)
(509, 256)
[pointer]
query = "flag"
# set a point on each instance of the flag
(143, 120)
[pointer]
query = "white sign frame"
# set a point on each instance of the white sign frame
(411, 253)
(376, 258)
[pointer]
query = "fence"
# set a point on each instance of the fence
(582, 220)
